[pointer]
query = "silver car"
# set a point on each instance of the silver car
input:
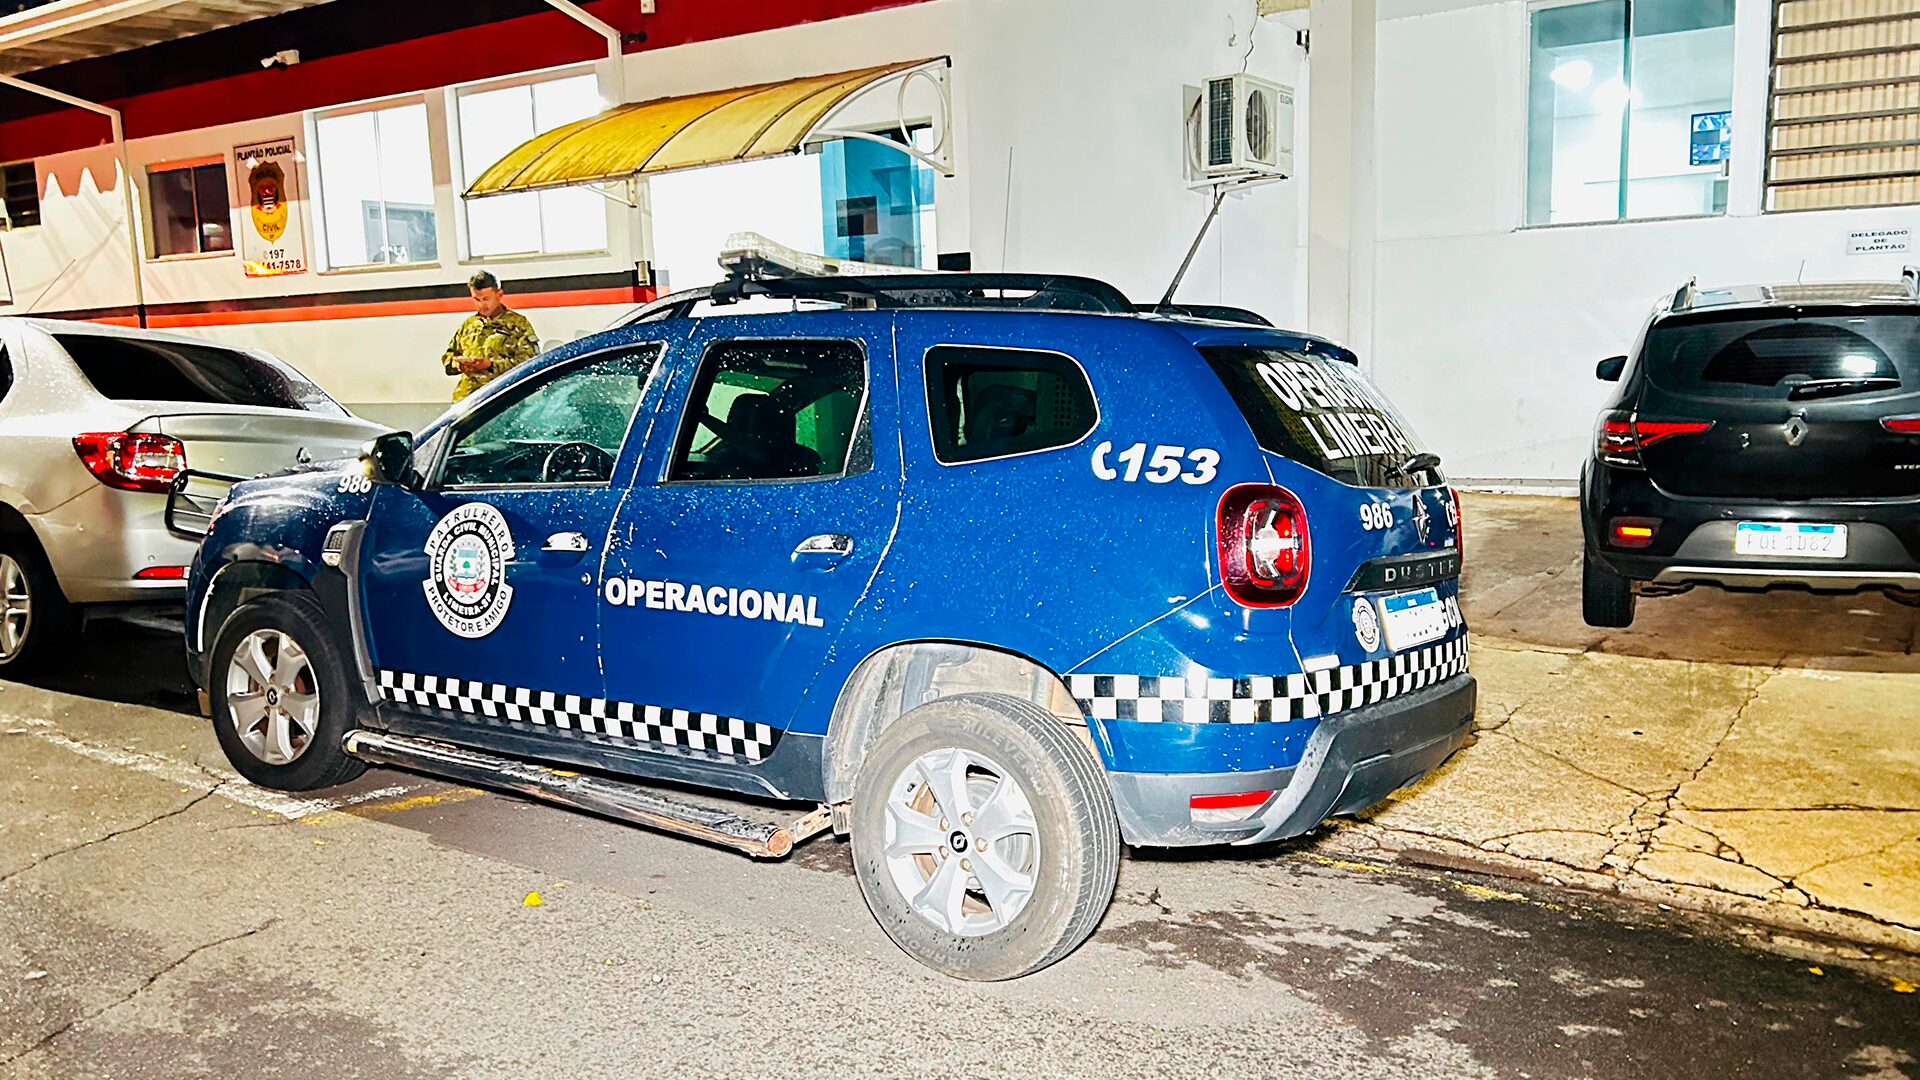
(97, 424)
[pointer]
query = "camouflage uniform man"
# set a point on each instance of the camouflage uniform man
(491, 341)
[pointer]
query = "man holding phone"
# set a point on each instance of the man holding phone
(491, 341)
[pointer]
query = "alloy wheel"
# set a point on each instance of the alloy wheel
(273, 697)
(961, 842)
(16, 607)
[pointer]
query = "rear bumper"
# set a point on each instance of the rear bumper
(1693, 544)
(1352, 760)
(97, 541)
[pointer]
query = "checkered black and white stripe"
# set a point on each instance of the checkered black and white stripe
(1261, 698)
(648, 725)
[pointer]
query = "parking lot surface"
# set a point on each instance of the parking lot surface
(1741, 753)
(163, 919)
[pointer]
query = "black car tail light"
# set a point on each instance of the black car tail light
(1266, 553)
(1632, 532)
(1622, 435)
(1902, 425)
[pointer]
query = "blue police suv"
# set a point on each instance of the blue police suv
(990, 572)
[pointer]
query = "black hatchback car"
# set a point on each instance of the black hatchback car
(1761, 436)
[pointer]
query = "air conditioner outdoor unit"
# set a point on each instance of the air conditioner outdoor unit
(1241, 127)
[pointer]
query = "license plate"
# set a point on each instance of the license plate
(1412, 618)
(1795, 540)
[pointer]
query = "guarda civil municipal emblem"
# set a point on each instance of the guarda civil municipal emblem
(466, 586)
(267, 187)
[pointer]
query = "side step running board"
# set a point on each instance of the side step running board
(617, 799)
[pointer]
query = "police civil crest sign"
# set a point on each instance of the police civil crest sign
(271, 243)
(467, 557)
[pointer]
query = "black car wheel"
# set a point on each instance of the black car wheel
(281, 695)
(1606, 598)
(984, 836)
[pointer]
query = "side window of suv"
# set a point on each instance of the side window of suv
(990, 403)
(772, 410)
(566, 428)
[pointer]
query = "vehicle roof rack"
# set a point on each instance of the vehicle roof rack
(1211, 312)
(1683, 297)
(1025, 292)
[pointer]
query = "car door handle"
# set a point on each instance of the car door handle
(828, 548)
(571, 542)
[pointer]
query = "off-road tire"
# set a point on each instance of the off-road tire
(324, 763)
(1606, 598)
(52, 623)
(1078, 833)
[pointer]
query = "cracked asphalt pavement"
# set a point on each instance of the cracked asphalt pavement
(160, 918)
(1748, 754)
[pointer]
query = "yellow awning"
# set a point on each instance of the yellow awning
(683, 132)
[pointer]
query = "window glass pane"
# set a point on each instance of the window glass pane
(573, 219)
(492, 123)
(125, 370)
(873, 202)
(1682, 78)
(406, 185)
(562, 101)
(567, 429)
(210, 196)
(1320, 412)
(988, 403)
(1576, 95)
(174, 224)
(772, 410)
(349, 186)
(1767, 358)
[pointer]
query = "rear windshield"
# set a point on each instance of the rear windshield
(123, 369)
(1838, 353)
(1321, 413)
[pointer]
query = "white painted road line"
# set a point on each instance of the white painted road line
(228, 785)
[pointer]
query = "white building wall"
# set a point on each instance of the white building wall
(1486, 333)
(1067, 145)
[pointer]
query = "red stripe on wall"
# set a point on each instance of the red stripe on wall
(384, 309)
(516, 45)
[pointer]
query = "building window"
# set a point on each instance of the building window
(492, 124)
(376, 187)
(876, 202)
(20, 187)
(1629, 109)
(190, 212)
(1845, 124)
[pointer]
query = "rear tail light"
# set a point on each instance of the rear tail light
(1622, 436)
(1632, 532)
(1902, 425)
(1266, 553)
(1457, 516)
(1227, 809)
(132, 461)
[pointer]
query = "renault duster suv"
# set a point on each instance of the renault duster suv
(1761, 436)
(990, 571)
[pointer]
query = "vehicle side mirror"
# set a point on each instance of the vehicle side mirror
(389, 460)
(1610, 369)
